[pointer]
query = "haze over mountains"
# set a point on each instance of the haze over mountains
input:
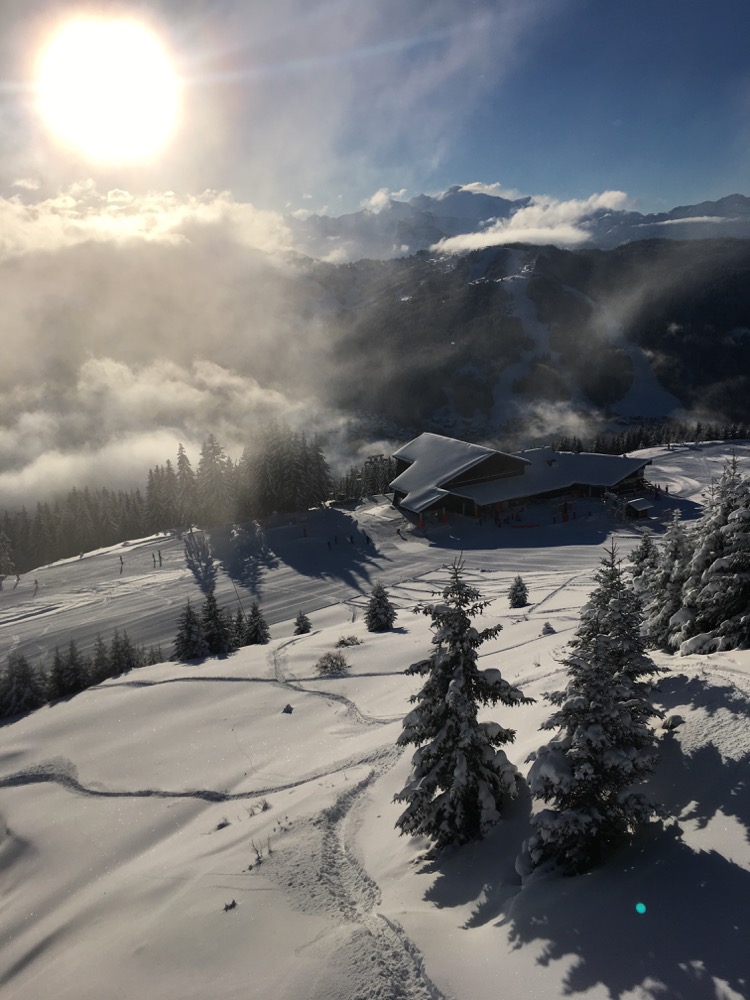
(466, 217)
(121, 344)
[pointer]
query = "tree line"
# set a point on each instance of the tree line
(653, 435)
(282, 470)
(24, 688)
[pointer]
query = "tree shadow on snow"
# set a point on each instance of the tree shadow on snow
(482, 870)
(244, 554)
(699, 784)
(327, 544)
(693, 933)
(199, 560)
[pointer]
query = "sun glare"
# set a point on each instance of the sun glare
(107, 88)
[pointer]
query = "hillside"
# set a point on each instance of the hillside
(174, 833)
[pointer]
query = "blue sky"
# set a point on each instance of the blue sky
(291, 104)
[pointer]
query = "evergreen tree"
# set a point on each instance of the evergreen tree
(661, 586)
(123, 654)
(190, 641)
(22, 689)
(213, 481)
(101, 666)
(604, 747)
(256, 627)
(218, 627)
(460, 776)
(69, 674)
(302, 624)
(380, 613)
(716, 591)
(644, 560)
(518, 595)
(239, 628)
(186, 492)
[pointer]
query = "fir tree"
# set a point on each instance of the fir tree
(256, 627)
(190, 641)
(218, 627)
(69, 673)
(123, 655)
(661, 586)
(380, 613)
(518, 595)
(644, 560)
(716, 591)
(605, 747)
(460, 776)
(101, 665)
(302, 624)
(22, 689)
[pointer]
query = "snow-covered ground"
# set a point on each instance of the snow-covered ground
(173, 833)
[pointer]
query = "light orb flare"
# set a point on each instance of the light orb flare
(107, 88)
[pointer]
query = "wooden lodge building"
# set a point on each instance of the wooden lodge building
(440, 473)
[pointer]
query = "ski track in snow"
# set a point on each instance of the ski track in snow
(380, 962)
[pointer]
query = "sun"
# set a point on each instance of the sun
(107, 88)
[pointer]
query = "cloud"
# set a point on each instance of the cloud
(495, 190)
(545, 220)
(690, 219)
(115, 420)
(81, 213)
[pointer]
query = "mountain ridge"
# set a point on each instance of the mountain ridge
(401, 228)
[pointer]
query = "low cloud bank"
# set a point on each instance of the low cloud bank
(545, 220)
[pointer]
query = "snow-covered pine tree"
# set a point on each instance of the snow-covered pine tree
(190, 641)
(605, 747)
(518, 595)
(302, 624)
(460, 777)
(716, 591)
(644, 560)
(22, 689)
(380, 614)
(662, 584)
(218, 627)
(256, 627)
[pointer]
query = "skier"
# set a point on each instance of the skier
(159, 551)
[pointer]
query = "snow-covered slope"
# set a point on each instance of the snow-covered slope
(174, 833)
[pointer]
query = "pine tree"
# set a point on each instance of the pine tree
(716, 591)
(661, 586)
(256, 627)
(604, 747)
(22, 689)
(518, 595)
(644, 560)
(302, 624)
(123, 655)
(69, 674)
(380, 613)
(190, 641)
(218, 627)
(101, 666)
(460, 777)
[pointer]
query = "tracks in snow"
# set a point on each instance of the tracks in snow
(379, 960)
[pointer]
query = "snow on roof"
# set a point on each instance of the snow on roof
(435, 459)
(640, 504)
(549, 471)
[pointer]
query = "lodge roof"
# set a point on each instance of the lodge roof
(437, 460)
